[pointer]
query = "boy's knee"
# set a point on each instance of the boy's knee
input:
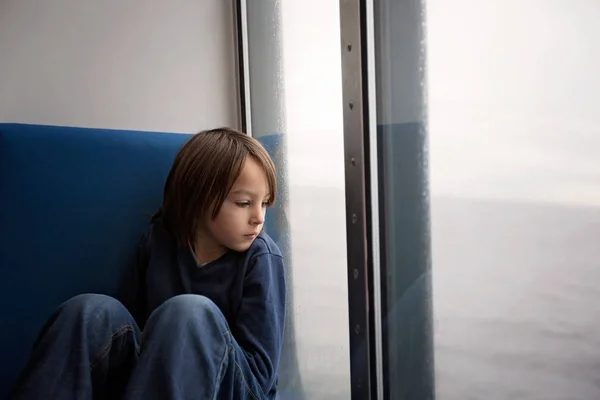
(189, 304)
(94, 307)
(187, 308)
(88, 301)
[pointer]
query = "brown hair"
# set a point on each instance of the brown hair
(202, 175)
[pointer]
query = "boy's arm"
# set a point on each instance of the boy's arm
(132, 289)
(260, 322)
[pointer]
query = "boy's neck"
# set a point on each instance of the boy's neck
(206, 249)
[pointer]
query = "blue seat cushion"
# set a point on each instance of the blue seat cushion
(74, 202)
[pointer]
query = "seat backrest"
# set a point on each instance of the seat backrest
(73, 205)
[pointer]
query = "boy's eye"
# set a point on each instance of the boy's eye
(247, 203)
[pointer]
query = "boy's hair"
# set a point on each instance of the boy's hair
(202, 175)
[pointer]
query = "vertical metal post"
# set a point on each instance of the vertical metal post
(356, 153)
(243, 65)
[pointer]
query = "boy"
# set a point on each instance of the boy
(208, 292)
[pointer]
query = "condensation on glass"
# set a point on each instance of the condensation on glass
(295, 105)
(402, 160)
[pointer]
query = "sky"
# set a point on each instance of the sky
(513, 87)
(513, 90)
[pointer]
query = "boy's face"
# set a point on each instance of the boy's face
(242, 214)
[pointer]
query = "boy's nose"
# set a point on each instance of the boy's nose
(258, 218)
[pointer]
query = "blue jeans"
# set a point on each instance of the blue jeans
(92, 348)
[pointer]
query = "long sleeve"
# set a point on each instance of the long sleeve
(132, 290)
(260, 322)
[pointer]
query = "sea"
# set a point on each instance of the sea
(516, 300)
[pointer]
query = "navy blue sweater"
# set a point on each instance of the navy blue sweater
(248, 288)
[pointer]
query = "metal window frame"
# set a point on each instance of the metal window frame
(375, 227)
(243, 65)
(361, 175)
(362, 200)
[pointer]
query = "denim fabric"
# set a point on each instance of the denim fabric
(91, 347)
